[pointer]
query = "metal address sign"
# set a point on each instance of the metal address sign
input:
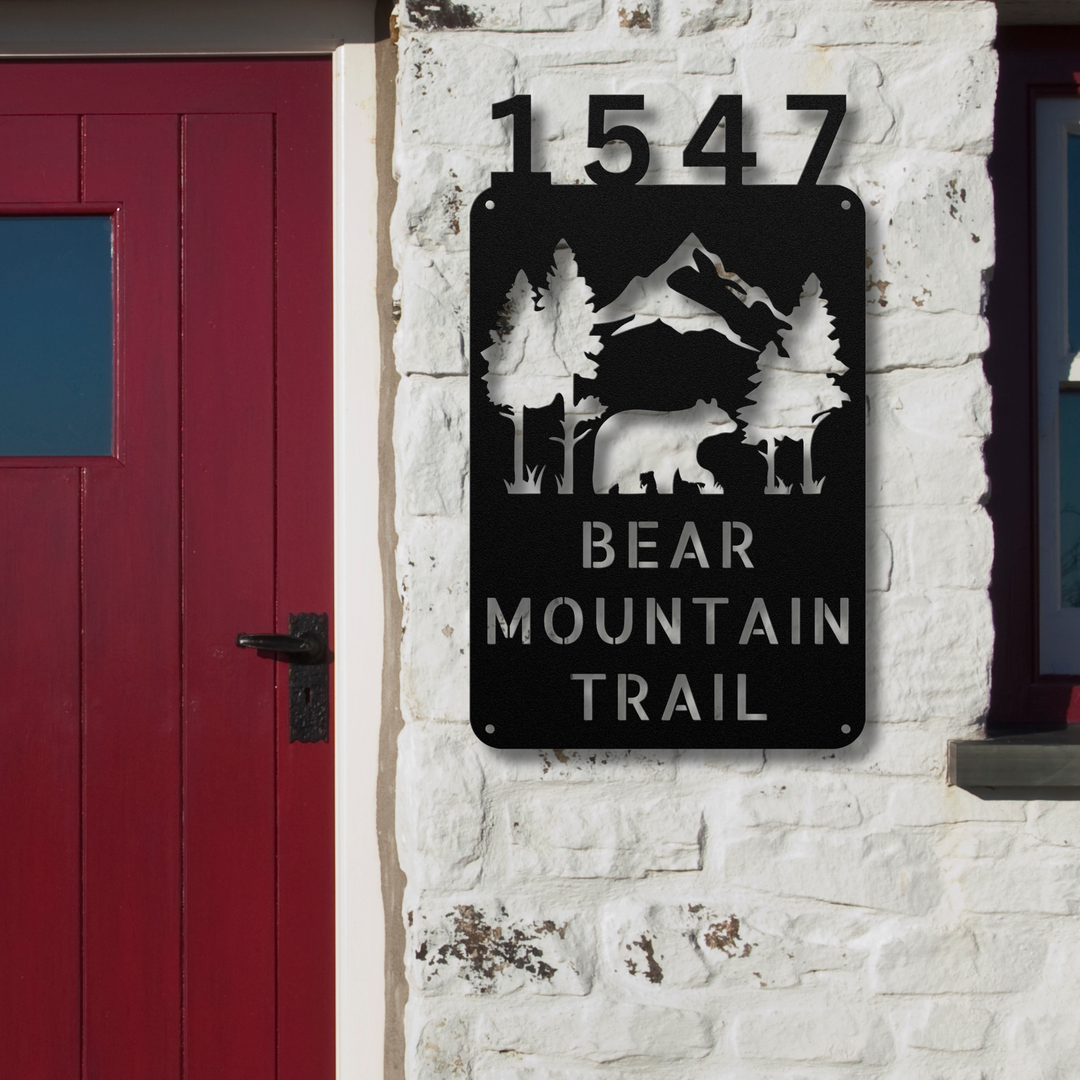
(667, 450)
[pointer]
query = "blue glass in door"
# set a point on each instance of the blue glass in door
(56, 335)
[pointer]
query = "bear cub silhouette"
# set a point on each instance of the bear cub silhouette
(637, 441)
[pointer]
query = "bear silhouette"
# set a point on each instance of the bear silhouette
(636, 441)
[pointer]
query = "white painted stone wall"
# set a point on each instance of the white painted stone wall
(749, 915)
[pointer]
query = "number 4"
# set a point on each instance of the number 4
(727, 107)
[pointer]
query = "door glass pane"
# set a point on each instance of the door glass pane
(56, 335)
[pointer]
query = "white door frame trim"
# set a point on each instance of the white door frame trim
(361, 993)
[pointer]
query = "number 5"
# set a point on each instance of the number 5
(634, 138)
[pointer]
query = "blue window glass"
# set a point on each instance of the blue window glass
(1069, 396)
(56, 335)
(1069, 475)
(1073, 256)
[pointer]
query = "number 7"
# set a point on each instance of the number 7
(834, 106)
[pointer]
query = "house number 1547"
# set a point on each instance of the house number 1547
(727, 107)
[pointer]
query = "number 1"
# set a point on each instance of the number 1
(520, 108)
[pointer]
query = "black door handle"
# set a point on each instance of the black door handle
(307, 647)
(308, 644)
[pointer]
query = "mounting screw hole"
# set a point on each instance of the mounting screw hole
(845, 728)
(845, 205)
(490, 729)
(489, 205)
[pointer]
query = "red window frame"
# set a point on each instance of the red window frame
(1036, 61)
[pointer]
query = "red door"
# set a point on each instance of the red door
(166, 893)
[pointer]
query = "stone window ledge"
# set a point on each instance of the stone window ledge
(1022, 762)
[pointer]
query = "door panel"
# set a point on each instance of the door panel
(40, 727)
(41, 158)
(39, 774)
(305, 455)
(131, 652)
(169, 910)
(229, 501)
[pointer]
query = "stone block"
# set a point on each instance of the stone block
(697, 765)
(911, 337)
(934, 548)
(813, 801)
(615, 833)
(947, 94)
(924, 959)
(634, 54)
(942, 404)
(773, 25)
(515, 15)
(1056, 823)
(596, 1030)
(885, 748)
(929, 236)
(432, 334)
(496, 1067)
(1039, 1036)
(879, 553)
(580, 766)
(440, 1047)
(852, 22)
(918, 804)
(654, 948)
(836, 1035)
(928, 655)
(433, 567)
(951, 1025)
(1027, 882)
(431, 440)
(692, 17)
(924, 436)
(981, 959)
(436, 189)
(967, 841)
(714, 61)
(440, 806)
(446, 87)
(636, 15)
(926, 1065)
(1015, 953)
(887, 871)
(477, 946)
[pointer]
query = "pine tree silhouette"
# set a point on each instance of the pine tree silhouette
(569, 329)
(794, 388)
(517, 377)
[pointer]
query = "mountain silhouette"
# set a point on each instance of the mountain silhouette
(726, 296)
(747, 310)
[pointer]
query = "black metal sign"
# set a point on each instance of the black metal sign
(667, 451)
